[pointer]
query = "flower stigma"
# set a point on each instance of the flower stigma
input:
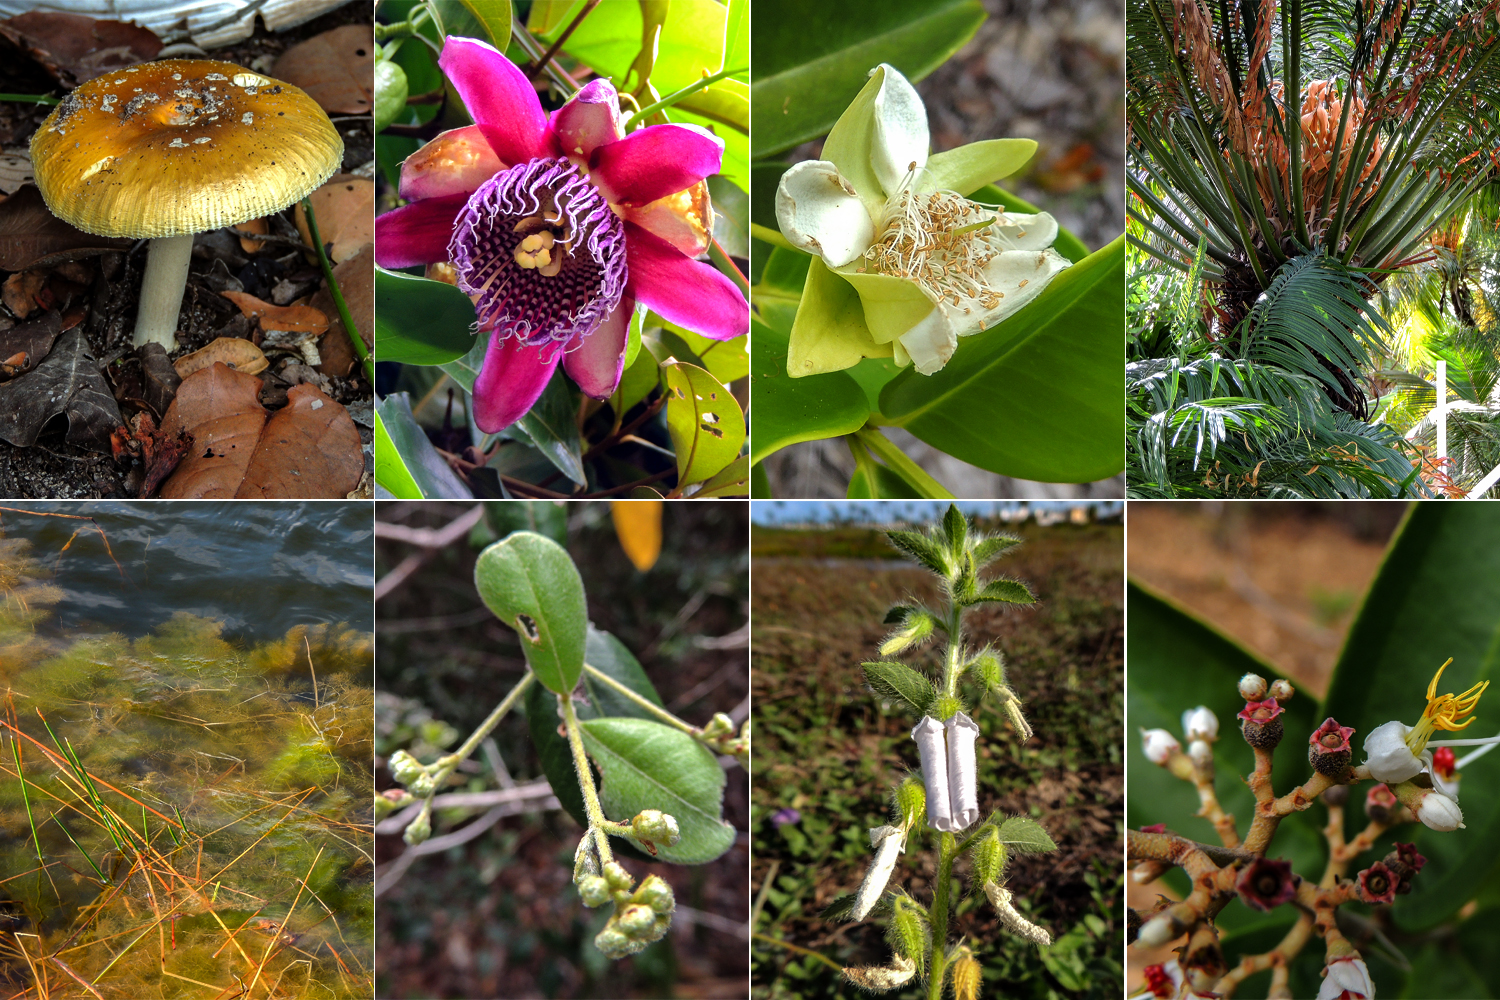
(1443, 712)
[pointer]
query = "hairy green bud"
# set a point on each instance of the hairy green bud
(945, 707)
(613, 942)
(1022, 727)
(619, 879)
(419, 829)
(966, 977)
(404, 767)
(422, 786)
(655, 827)
(916, 626)
(911, 802)
(989, 857)
(593, 890)
(908, 931)
(989, 667)
(719, 725)
(637, 920)
(657, 894)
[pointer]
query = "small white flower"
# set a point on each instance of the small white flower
(1200, 724)
(1347, 978)
(1159, 745)
(1389, 758)
(888, 842)
(1252, 687)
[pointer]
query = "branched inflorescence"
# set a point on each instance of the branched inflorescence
(944, 799)
(1411, 784)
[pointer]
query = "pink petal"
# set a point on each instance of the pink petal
(655, 162)
(686, 292)
(456, 162)
(590, 119)
(600, 360)
(500, 99)
(417, 233)
(510, 381)
(682, 219)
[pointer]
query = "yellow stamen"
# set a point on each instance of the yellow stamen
(1443, 712)
(535, 251)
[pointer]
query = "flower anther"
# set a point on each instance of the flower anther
(1443, 711)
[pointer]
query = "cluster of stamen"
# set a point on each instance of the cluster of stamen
(1443, 712)
(940, 240)
(540, 250)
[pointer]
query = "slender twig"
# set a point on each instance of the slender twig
(799, 950)
(538, 65)
(355, 340)
(902, 464)
(673, 98)
(595, 812)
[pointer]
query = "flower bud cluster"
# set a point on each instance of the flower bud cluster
(1201, 727)
(639, 918)
(719, 736)
(652, 827)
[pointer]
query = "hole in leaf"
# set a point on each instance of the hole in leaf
(526, 625)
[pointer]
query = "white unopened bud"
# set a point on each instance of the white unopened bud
(888, 842)
(1200, 724)
(1012, 920)
(1159, 745)
(1202, 753)
(1347, 977)
(1434, 809)
(1157, 931)
(1253, 687)
(1281, 690)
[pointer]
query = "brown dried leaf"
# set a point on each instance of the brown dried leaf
(31, 236)
(67, 382)
(336, 68)
(220, 408)
(356, 278)
(309, 449)
(298, 319)
(257, 226)
(233, 351)
(345, 207)
(33, 339)
(20, 291)
(74, 48)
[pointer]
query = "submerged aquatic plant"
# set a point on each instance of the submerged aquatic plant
(189, 816)
(662, 787)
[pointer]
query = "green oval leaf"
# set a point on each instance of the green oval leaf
(420, 322)
(705, 421)
(1038, 396)
(390, 92)
(647, 765)
(898, 682)
(531, 584)
(811, 59)
(1025, 835)
(407, 466)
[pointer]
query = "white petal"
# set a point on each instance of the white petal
(1388, 756)
(1346, 975)
(819, 212)
(931, 342)
(901, 136)
(929, 736)
(888, 842)
(1018, 276)
(962, 776)
(1025, 232)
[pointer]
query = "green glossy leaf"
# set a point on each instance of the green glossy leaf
(390, 92)
(888, 484)
(898, 682)
(1437, 595)
(640, 379)
(551, 426)
(647, 765)
(547, 15)
(609, 655)
(609, 39)
(541, 516)
(705, 421)
(731, 216)
(633, 336)
(465, 370)
(421, 322)
(1177, 663)
(730, 481)
(760, 483)
(737, 38)
(1038, 396)
(406, 464)
(811, 59)
(485, 19)
(1021, 833)
(725, 103)
(531, 584)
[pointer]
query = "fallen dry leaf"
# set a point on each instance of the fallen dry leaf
(356, 278)
(257, 226)
(236, 352)
(74, 48)
(66, 382)
(298, 319)
(336, 68)
(15, 169)
(33, 339)
(31, 236)
(345, 207)
(20, 292)
(220, 409)
(309, 449)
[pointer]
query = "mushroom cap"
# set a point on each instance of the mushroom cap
(180, 146)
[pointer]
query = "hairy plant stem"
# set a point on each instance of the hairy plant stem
(644, 702)
(443, 766)
(599, 825)
(938, 916)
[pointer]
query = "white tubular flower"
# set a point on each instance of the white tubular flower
(1347, 978)
(888, 842)
(930, 744)
(1389, 758)
(1159, 745)
(963, 794)
(1200, 724)
(929, 265)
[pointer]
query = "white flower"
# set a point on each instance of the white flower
(1200, 723)
(1159, 745)
(889, 842)
(1347, 978)
(1389, 758)
(948, 771)
(929, 265)
(929, 736)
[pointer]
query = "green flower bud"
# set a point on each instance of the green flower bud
(655, 826)
(989, 857)
(419, 829)
(966, 977)
(613, 943)
(657, 894)
(390, 800)
(619, 879)
(916, 626)
(911, 802)
(637, 920)
(404, 767)
(945, 707)
(908, 931)
(663, 921)
(593, 890)
(719, 725)
(989, 667)
(422, 786)
(1017, 720)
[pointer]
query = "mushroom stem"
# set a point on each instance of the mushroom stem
(161, 290)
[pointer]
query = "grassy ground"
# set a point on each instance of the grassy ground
(824, 748)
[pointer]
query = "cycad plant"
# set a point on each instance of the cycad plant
(1311, 143)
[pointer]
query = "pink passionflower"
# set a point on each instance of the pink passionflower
(557, 226)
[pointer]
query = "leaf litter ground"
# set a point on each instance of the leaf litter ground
(91, 285)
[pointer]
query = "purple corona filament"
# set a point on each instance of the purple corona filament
(543, 252)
